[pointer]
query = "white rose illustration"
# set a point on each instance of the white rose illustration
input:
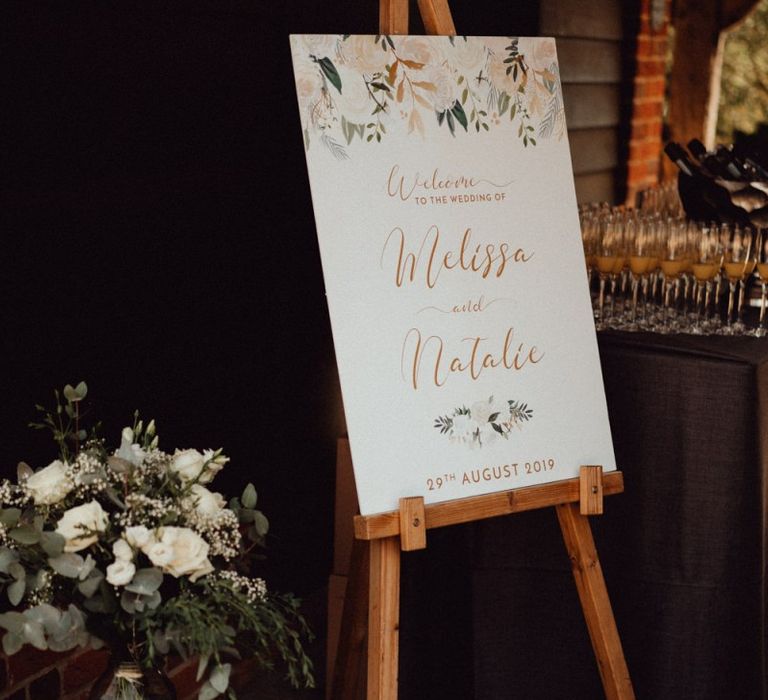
(204, 501)
(122, 550)
(421, 49)
(543, 52)
(364, 54)
(445, 93)
(355, 101)
(469, 54)
(320, 45)
(80, 526)
(189, 553)
(464, 426)
(488, 434)
(50, 484)
(309, 84)
(120, 573)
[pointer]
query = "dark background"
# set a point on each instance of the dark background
(158, 239)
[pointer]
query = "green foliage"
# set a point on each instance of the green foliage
(744, 83)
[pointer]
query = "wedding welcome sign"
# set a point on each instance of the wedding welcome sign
(448, 230)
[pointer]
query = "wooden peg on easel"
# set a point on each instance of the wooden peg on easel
(591, 490)
(413, 525)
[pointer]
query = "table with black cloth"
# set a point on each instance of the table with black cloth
(490, 610)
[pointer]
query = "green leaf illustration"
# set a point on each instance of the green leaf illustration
(330, 72)
(458, 111)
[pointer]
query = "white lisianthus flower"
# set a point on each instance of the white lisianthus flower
(188, 464)
(120, 572)
(49, 485)
(122, 550)
(204, 501)
(212, 467)
(189, 555)
(137, 536)
(80, 526)
(129, 451)
(159, 553)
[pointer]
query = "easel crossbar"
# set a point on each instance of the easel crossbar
(465, 510)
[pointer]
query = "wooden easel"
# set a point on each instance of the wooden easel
(372, 600)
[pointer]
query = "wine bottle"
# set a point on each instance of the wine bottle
(713, 162)
(703, 198)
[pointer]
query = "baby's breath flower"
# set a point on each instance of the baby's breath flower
(254, 588)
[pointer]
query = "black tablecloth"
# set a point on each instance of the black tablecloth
(490, 610)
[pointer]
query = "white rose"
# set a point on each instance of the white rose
(120, 573)
(159, 553)
(50, 484)
(469, 54)
(364, 54)
(189, 553)
(80, 526)
(137, 536)
(204, 501)
(122, 550)
(188, 464)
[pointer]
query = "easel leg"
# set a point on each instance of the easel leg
(595, 602)
(383, 618)
(348, 681)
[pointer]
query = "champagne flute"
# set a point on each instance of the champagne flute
(607, 254)
(640, 245)
(738, 263)
(706, 261)
(672, 262)
(762, 271)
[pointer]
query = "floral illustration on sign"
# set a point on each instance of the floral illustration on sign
(366, 87)
(484, 422)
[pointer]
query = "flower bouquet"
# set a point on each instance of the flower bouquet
(131, 549)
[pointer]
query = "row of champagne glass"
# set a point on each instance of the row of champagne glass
(667, 274)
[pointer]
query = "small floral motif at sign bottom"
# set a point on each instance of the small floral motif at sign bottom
(484, 422)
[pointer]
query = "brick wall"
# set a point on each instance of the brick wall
(44, 675)
(645, 137)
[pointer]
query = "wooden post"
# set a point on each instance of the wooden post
(383, 618)
(591, 490)
(413, 524)
(347, 678)
(595, 603)
(437, 17)
(393, 16)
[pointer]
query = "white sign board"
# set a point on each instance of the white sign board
(449, 236)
